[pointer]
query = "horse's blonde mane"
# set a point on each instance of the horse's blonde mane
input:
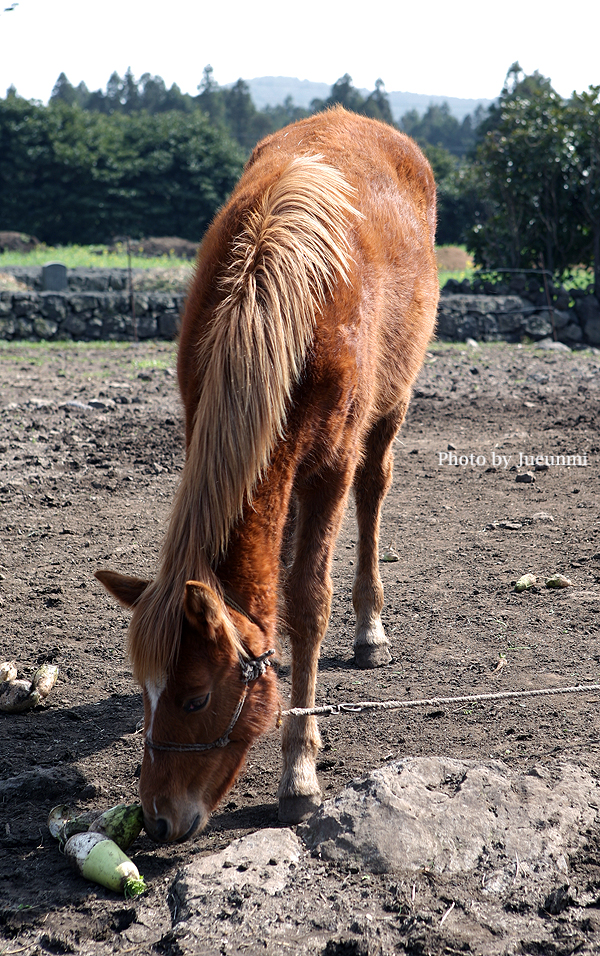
(289, 254)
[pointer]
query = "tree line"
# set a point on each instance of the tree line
(536, 175)
(519, 183)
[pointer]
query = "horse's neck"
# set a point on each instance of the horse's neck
(251, 567)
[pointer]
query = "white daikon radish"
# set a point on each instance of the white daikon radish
(101, 861)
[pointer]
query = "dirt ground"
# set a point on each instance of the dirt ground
(83, 488)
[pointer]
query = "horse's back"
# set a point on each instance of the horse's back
(376, 159)
(378, 324)
(371, 334)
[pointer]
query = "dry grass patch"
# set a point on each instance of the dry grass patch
(452, 259)
(8, 283)
(173, 279)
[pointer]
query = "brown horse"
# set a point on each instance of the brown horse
(313, 302)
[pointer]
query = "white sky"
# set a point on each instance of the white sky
(440, 48)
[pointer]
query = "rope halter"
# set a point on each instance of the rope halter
(252, 668)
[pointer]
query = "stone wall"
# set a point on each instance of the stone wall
(76, 280)
(96, 305)
(88, 315)
(490, 313)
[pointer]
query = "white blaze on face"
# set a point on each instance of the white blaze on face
(153, 689)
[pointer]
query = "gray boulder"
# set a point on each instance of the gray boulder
(538, 325)
(451, 816)
(588, 308)
(571, 333)
(262, 859)
(591, 331)
(560, 318)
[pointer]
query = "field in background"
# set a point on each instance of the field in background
(454, 262)
(170, 271)
(87, 257)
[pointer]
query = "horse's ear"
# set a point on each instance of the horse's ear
(127, 590)
(203, 608)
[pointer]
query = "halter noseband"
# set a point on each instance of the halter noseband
(251, 668)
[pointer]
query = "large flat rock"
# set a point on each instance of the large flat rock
(451, 816)
(261, 859)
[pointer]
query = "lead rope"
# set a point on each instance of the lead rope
(328, 710)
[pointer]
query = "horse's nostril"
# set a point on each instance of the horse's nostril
(160, 829)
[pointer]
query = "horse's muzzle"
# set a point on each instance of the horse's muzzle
(161, 829)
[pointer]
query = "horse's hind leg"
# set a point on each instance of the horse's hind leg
(371, 483)
(320, 509)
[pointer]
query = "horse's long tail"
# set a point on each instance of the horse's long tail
(289, 255)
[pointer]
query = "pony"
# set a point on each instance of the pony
(306, 324)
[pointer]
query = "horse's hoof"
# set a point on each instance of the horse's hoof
(296, 809)
(367, 656)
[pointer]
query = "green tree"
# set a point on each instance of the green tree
(245, 123)
(583, 122)
(131, 100)
(522, 172)
(377, 104)
(124, 95)
(438, 127)
(152, 93)
(210, 97)
(285, 113)
(30, 183)
(114, 96)
(73, 175)
(176, 171)
(63, 91)
(447, 144)
(343, 93)
(456, 198)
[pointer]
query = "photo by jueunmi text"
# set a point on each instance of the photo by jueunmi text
(520, 460)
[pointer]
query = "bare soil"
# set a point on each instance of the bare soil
(83, 488)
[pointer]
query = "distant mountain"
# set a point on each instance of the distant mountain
(401, 103)
(272, 90)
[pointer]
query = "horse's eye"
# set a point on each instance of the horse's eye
(196, 703)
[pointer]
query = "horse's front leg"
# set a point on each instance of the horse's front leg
(308, 602)
(371, 482)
